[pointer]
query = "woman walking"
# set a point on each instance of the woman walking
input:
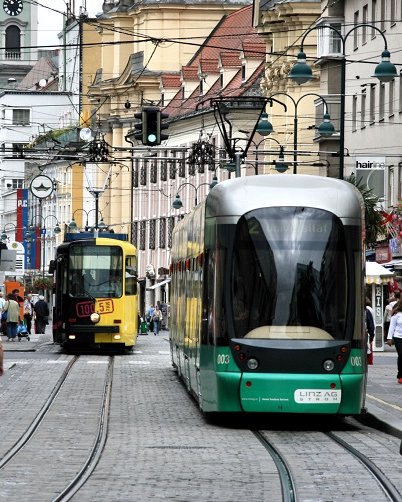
(395, 335)
(157, 319)
(13, 316)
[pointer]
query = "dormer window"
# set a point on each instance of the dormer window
(243, 72)
(201, 86)
(221, 79)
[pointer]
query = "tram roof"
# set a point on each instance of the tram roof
(237, 196)
(68, 237)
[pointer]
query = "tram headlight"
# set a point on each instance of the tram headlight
(252, 363)
(328, 365)
(95, 317)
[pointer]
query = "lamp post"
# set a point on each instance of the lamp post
(97, 167)
(72, 226)
(301, 73)
(177, 203)
(248, 110)
(326, 128)
(4, 235)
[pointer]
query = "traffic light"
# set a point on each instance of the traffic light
(150, 126)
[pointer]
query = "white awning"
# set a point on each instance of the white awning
(159, 284)
(377, 274)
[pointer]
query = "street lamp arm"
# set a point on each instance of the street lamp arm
(343, 38)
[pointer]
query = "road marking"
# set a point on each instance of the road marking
(57, 361)
(137, 351)
(164, 352)
(396, 407)
(97, 362)
(17, 362)
(139, 362)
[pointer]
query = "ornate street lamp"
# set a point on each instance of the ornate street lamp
(326, 128)
(241, 112)
(177, 203)
(302, 73)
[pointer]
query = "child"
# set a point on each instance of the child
(22, 330)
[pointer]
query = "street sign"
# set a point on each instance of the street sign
(41, 186)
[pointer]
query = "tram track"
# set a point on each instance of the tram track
(87, 411)
(284, 472)
(100, 440)
(385, 483)
(26, 436)
(310, 464)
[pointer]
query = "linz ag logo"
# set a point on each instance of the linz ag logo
(308, 396)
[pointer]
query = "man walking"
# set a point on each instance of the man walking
(41, 309)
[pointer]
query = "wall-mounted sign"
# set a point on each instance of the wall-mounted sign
(7, 260)
(41, 186)
(370, 171)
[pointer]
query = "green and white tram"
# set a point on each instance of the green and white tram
(267, 297)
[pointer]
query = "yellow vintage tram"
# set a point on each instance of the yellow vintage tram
(95, 302)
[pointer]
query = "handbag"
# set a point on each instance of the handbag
(4, 315)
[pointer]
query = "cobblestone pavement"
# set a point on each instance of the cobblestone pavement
(159, 446)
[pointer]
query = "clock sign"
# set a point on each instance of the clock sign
(13, 7)
(41, 186)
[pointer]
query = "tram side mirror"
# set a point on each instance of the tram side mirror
(52, 266)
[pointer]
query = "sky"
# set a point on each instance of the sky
(51, 22)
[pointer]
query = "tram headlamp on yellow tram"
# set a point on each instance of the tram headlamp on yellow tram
(95, 317)
(116, 337)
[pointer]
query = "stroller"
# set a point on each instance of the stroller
(22, 331)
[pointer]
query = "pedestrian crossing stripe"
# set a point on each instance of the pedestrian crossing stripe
(139, 362)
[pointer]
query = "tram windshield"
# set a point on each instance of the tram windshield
(289, 274)
(95, 271)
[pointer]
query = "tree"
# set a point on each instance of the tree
(42, 284)
(374, 216)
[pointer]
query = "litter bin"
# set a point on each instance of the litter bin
(143, 328)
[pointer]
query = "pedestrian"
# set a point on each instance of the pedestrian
(395, 335)
(2, 300)
(150, 313)
(12, 309)
(157, 319)
(3, 327)
(1, 358)
(41, 309)
(16, 295)
(388, 311)
(370, 334)
(28, 311)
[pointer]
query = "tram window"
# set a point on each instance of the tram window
(131, 276)
(289, 270)
(96, 271)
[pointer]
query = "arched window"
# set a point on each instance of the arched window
(13, 42)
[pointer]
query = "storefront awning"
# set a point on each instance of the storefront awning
(159, 284)
(377, 274)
